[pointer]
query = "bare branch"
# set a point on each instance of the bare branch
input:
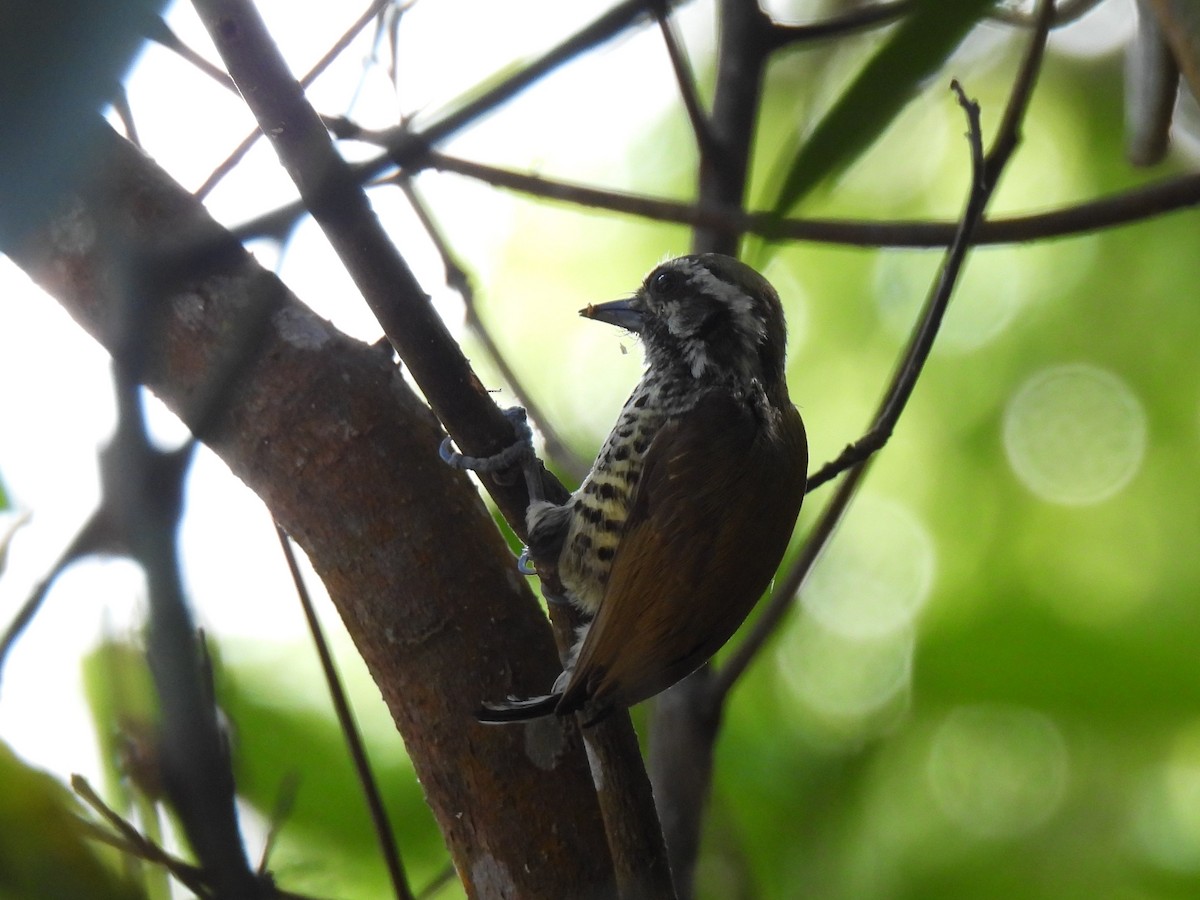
(344, 454)
(985, 175)
(557, 449)
(339, 205)
(345, 716)
(1126, 207)
(854, 20)
(230, 162)
(685, 79)
(163, 35)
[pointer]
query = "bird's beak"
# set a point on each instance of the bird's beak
(616, 312)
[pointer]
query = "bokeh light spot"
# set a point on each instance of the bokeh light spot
(997, 771)
(876, 576)
(1167, 817)
(993, 289)
(1075, 434)
(841, 682)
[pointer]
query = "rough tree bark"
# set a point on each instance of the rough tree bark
(326, 431)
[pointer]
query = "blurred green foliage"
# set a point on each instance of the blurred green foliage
(290, 754)
(44, 854)
(911, 53)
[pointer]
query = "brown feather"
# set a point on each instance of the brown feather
(699, 548)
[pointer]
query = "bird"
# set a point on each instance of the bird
(688, 509)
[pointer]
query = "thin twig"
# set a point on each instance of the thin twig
(350, 732)
(129, 840)
(686, 80)
(1121, 208)
(132, 841)
(285, 802)
(230, 162)
(125, 113)
(557, 449)
(986, 171)
(405, 146)
(854, 20)
(1065, 12)
(600, 31)
(163, 35)
(94, 537)
(917, 353)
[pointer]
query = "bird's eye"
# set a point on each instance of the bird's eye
(669, 283)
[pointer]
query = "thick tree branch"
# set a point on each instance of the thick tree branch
(339, 205)
(344, 455)
(332, 194)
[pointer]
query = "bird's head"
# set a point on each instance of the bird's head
(710, 314)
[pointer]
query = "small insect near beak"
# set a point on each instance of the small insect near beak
(616, 312)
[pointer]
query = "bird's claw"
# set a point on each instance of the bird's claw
(514, 454)
(526, 567)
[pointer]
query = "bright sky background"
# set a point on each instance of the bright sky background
(57, 404)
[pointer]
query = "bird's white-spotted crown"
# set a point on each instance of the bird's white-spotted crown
(717, 315)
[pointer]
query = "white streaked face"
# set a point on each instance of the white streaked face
(711, 322)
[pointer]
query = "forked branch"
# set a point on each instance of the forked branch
(986, 170)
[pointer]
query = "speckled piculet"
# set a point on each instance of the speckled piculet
(677, 530)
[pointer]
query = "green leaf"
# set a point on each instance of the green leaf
(918, 47)
(43, 851)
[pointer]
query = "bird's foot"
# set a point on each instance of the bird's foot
(520, 452)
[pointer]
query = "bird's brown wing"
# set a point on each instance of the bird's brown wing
(708, 523)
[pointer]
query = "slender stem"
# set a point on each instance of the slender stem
(164, 36)
(986, 171)
(701, 127)
(332, 192)
(353, 737)
(230, 162)
(1123, 208)
(406, 144)
(555, 447)
(95, 536)
(849, 22)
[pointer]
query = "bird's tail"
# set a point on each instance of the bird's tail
(515, 710)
